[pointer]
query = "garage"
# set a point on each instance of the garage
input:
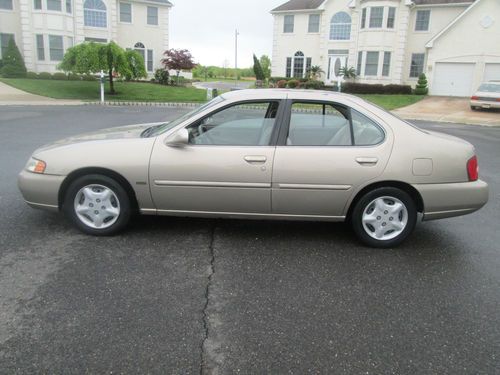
(491, 72)
(453, 79)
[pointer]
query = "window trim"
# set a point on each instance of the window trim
(393, 18)
(148, 16)
(285, 24)
(40, 48)
(105, 11)
(428, 22)
(378, 64)
(388, 64)
(381, 18)
(50, 47)
(120, 12)
(423, 64)
(309, 23)
(333, 24)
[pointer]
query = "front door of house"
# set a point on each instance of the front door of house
(335, 63)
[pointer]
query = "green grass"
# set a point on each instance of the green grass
(126, 91)
(391, 102)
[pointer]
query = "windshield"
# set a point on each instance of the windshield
(170, 125)
(489, 87)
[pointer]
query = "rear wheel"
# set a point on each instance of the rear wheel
(97, 205)
(473, 108)
(384, 217)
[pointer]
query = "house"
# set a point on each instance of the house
(454, 42)
(44, 29)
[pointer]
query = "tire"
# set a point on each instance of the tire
(473, 108)
(384, 217)
(97, 205)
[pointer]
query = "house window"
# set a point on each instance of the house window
(288, 24)
(94, 13)
(96, 40)
(376, 17)
(298, 65)
(391, 18)
(340, 26)
(56, 49)
(150, 60)
(386, 67)
(417, 64)
(288, 67)
(313, 23)
(363, 18)
(40, 47)
(126, 12)
(422, 21)
(4, 42)
(360, 62)
(152, 16)
(6, 4)
(139, 47)
(308, 65)
(68, 7)
(54, 5)
(37, 4)
(371, 64)
(70, 42)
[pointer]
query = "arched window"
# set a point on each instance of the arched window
(340, 26)
(298, 64)
(94, 13)
(139, 47)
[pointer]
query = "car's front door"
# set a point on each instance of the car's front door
(326, 151)
(225, 168)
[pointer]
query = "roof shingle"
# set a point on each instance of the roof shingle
(299, 5)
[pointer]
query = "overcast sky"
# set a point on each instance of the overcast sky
(206, 29)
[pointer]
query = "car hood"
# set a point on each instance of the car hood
(121, 132)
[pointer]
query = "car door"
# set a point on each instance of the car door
(324, 152)
(225, 168)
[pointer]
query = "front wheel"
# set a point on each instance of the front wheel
(384, 217)
(97, 205)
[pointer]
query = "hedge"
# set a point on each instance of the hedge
(368, 88)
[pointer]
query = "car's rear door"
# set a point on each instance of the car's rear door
(325, 151)
(225, 168)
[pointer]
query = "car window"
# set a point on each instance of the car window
(489, 87)
(246, 124)
(366, 131)
(318, 124)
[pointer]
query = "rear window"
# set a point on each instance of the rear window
(489, 87)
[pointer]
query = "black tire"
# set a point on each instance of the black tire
(121, 195)
(366, 200)
(473, 108)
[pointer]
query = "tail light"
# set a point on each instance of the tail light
(473, 168)
(474, 97)
(497, 99)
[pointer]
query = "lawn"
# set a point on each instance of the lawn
(390, 102)
(89, 90)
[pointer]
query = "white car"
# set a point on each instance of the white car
(487, 96)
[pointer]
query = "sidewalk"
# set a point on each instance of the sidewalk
(12, 96)
(448, 109)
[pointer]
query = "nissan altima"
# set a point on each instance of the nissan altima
(262, 154)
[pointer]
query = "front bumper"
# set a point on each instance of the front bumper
(40, 190)
(453, 199)
(484, 104)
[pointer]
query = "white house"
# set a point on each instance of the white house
(44, 29)
(455, 42)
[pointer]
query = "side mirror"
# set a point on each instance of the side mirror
(178, 139)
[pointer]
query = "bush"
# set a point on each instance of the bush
(281, 84)
(44, 75)
(368, 88)
(32, 75)
(162, 76)
(314, 85)
(292, 84)
(13, 63)
(397, 89)
(421, 88)
(60, 76)
(277, 79)
(88, 77)
(74, 77)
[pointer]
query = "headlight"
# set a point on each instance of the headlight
(36, 166)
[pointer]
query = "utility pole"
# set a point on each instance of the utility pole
(236, 33)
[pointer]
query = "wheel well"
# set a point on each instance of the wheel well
(412, 192)
(103, 171)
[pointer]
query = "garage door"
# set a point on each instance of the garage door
(492, 72)
(452, 79)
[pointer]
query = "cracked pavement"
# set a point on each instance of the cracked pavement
(178, 295)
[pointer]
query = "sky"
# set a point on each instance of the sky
(207, 27)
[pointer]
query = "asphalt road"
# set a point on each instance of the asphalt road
(219, 296)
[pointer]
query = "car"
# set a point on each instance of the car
(262, 154)
(487, 96)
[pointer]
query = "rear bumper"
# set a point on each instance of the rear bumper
(453, 199)
(484, 104)
(40, 190)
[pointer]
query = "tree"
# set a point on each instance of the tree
(178, 59)
(135, 62)
(13, 63)
(265, 63)
(257, 68)
(314, 72)
(421, 88)
(113, 58)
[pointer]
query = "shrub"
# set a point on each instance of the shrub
(32, 75)
(281, 84)
(277, 79)
(257, 69)
(13, 63)
(397, 89)
(421, 88)
(1, 64)
(292, 84)
(367, 88)
(60, 76)
(162, 76)
(74, 77)
(44, 75)
(88, 77)
(313, 84)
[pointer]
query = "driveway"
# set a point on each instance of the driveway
(12, 96)
(192, 296)
(448, 109)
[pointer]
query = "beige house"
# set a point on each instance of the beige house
(455, 42)
(44, 29)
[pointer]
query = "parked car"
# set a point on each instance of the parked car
(487, 96)
(262, 154)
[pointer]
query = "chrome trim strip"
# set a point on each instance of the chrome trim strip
(213, 184)
(314, 187)
(249, 214)
(41, 205)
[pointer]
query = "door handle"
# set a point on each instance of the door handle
(255, 159)
(365, 161)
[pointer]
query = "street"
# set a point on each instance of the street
(179, 295)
